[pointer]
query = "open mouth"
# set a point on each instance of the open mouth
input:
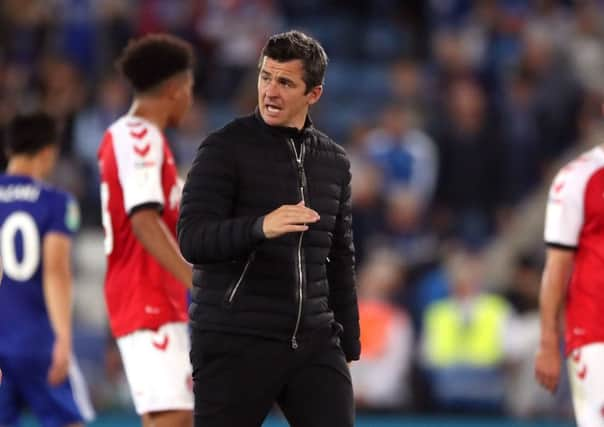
(272, 108)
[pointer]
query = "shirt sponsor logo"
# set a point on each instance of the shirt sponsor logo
(152, 310)
(555, 201)
(144, 164)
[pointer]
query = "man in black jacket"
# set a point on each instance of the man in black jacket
(266, 220)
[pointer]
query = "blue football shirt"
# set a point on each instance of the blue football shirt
(29, 210)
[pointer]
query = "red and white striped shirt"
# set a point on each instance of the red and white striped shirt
(575, 220)
(137, 169)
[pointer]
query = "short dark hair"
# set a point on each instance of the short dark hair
(154, 58)
(29, 133)
(293, 45)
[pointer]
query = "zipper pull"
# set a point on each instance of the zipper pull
(294, 343)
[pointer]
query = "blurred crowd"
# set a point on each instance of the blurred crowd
(455, 113)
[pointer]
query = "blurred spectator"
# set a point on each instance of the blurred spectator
(523, 292)
(524, 397)
(502, 25)
(407, 229)
(381, 377)
(452, 59)
(462, 343)
(111, 392)
(88, 130)
(549, 14)
(407, 156)
(586, 45)
(470, 174)
(156, 16)
(557, 97)
(14, 96)
(90, 123)
(238, 30)
(448, 13)
(409, 86)
(367, 205)
(24, 30)
(115, 29)
(62, 95)
(406, 81)
(522, 165)
(76, 34)
(186, 139)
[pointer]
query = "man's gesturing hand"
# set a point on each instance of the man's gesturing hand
(288, 219)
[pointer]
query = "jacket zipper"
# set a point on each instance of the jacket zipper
(231, 295)
(300, 272)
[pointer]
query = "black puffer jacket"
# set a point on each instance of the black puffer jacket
(281, 288)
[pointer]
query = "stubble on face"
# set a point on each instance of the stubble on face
(282, 100)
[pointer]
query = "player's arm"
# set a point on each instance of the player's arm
(143, 198)
(58, 296)
(557, 271)
(155, 237)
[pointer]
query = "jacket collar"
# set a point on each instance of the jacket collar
(285, 131)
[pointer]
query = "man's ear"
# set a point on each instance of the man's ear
(315, 94)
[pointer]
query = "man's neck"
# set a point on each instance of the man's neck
(151, 109)
(22, 166)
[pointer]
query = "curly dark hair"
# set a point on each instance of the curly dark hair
(29, 133)
(154, 58)
(293, 45)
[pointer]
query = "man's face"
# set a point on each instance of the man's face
(182, 97)
(281, 93)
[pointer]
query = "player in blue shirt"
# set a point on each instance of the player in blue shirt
(36, 226)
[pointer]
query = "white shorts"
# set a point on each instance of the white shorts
(586, 372)
(158, 368)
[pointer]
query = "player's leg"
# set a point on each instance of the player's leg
(146, 420)
(319, 394)
(10, 400)
(236, 378)
(158, 370)
(586, 372)
(66, 404)
(171, 418)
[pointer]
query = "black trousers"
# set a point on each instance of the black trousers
(238, 379)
